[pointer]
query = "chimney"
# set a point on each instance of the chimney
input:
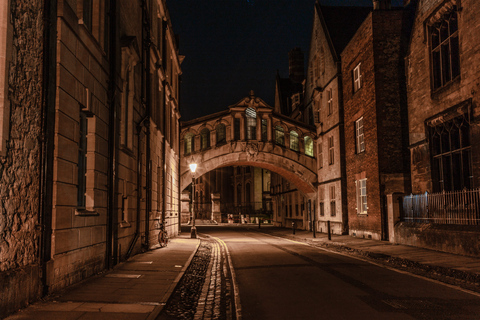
(382, 4)
(296, 65)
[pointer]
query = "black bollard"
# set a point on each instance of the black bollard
(259, 223)
(329, 232)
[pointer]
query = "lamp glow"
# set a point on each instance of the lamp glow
(193, 167)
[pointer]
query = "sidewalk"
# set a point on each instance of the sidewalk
(135, 289)
(443, 264)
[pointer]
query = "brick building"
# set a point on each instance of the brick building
(89, 139)
(375, 119)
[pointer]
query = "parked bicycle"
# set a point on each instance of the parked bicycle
(162, 235)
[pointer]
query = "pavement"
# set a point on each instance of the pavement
(140, 287)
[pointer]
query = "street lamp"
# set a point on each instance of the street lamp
(193, 230)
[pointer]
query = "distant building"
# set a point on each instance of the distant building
(89, 139)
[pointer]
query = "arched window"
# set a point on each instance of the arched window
(220, 129)
(294, 141)
(308, 146)
(279, 136)
(189, 143)
(205, 139)
(251, 117)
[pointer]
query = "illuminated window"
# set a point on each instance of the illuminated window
(308, 146)
(205, 139)
(251, 120)
(279, 136)
(294, 140)
(220, 130)
(189, 143)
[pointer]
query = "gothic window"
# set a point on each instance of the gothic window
(251, 120)
(294, 141)
(359, 137)
(221, 138)
(331, 151)
(205, 139)
(444, 49)
(308, 146)
(451, 153)
(189, 143)
(279, 136)
(361, 191)
(357, 78)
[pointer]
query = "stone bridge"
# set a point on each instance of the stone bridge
(250, 133)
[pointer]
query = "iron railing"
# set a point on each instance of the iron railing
(456, 207)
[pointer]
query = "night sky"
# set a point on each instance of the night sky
(234, 46)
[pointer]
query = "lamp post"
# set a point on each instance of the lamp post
(193, 230)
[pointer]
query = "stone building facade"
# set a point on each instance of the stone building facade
(444, 99)
(323, 97)
(375, 118)
(90, 115)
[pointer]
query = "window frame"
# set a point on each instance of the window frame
(294, 141)
(331, 150)
(361, 196)
(359, 137)
(357, 77)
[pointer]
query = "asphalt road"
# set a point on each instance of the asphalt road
(280, 279)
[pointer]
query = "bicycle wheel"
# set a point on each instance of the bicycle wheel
(162, 242)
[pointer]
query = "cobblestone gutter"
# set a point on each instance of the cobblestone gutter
(205, 290)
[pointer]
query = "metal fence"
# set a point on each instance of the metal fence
(456, 207)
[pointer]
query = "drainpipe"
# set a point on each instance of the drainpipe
(47, 142)
(147, 42)
(111, 232)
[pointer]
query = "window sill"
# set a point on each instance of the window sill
(82, 212)
(125, 224)
(437, 93)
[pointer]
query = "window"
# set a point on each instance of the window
(264, 130)
(82, 162)
(236, 128)
(251, 118)
(279, 136)
(359, 139)
(220, 130)
(330, 101)
(322, 208)
(444, 49)
(450, 145)
(205, 139)
(320, 155)
(333, 208)
(87, 13)
(189, 143)
(357, 78)
(361, 188)
(331, 151)
(308, 146)
(294, 141)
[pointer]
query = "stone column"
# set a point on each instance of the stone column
(185, 207)
(216, 213)
(393, 212)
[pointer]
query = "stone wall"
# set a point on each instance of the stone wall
(19, 169)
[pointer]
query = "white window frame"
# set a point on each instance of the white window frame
(361, 191)
(357, 78)
(359, 136)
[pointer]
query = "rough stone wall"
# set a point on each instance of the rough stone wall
(424, 104)
(358, 104)
(19, 169)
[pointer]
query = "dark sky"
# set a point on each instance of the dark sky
(234, 46)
